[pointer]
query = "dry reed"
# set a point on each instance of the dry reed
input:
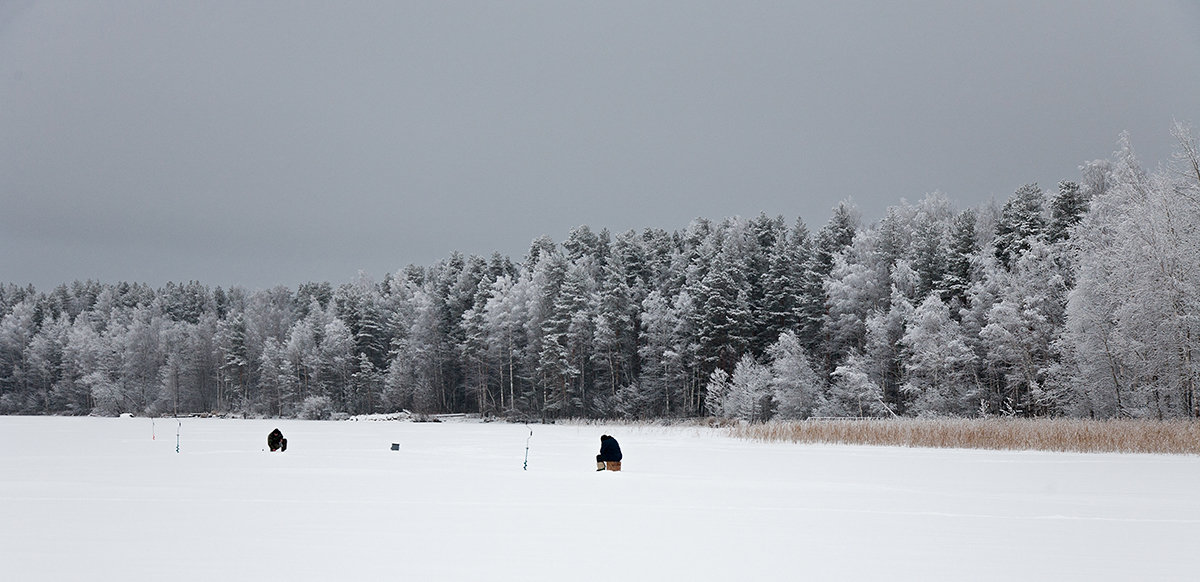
(1066, 435)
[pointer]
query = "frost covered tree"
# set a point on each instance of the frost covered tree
(272, 369)
(658, 390)
(505, 316)
(750, 396)
(17, 328)
(1022, 221)
(336, 361)
(639, 324)
(45, 358)
(722, 314)
(426, 354)
(857, 286)
(1132, 326)
(1066, 210)
(809, 286)
(576, 303)
(794, 384)
(614, 353)
(567, 334)
(716, 393)
(783, 286)
(830, 242)
(235, 362)
(961, 257)
(668, 384)
(363, 387)
(359, 305)
(475, 355)
(939, 365)
(1022, 327)
(836, 236)
(884, 329)
(762, 238)
(744, 395)
(930, 258)
(140, 347)
(852, 393)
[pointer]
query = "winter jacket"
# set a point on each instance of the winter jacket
(609, 449)
(276, 441)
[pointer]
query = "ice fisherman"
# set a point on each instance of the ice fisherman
(276, 441)
(610, 454)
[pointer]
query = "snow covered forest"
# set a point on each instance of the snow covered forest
(1082, 300)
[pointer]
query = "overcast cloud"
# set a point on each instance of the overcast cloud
(268, 143)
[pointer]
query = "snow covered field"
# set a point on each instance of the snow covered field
(99, 499)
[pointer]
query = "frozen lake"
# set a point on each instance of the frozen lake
(99, 498)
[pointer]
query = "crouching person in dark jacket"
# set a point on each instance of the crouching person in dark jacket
(610, 454)
(276, 441)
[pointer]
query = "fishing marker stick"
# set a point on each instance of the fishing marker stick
(526, 467)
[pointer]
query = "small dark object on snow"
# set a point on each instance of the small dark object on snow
(276, 441)
(610, 454)
(395, 446)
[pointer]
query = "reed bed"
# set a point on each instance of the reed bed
(1178, 437)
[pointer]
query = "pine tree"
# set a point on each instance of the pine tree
(365, 384)
(359, 306)
(1066, 210)
(960, 257)
(832, 241)
(762, 236)
(783, 289)
(929, 255)
(1021, 222)
(657, 391)
(835, 236)
(722, 310)
(810, 298)
(615, 349)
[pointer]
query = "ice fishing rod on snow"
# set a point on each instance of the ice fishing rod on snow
(526, 467)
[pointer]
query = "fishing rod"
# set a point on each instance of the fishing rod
(526, 468)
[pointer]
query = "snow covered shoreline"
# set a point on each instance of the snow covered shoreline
(109, 498)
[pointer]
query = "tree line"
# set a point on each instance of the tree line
(1080, 301)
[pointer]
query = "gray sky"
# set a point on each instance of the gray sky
(270, 143)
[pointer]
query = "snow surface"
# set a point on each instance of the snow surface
(98, 498)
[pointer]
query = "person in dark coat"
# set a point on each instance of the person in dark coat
(276, 441)
(610, 451)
